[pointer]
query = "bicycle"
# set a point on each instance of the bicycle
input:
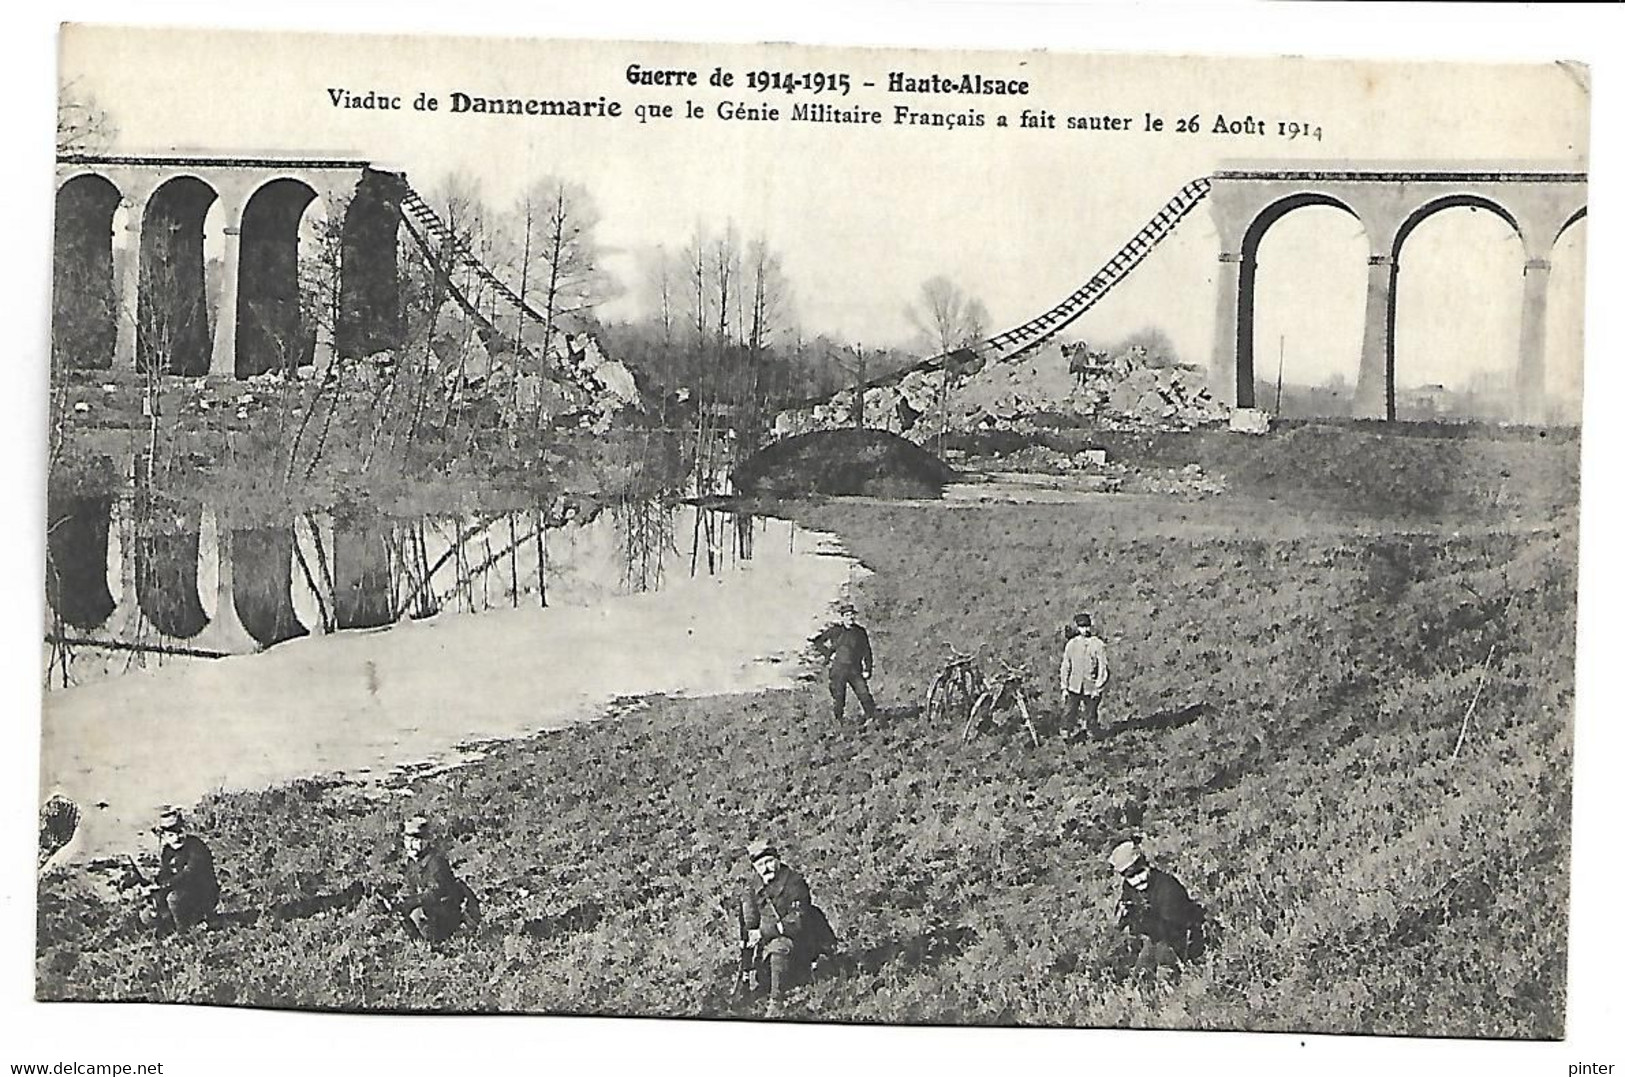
(1000, 695)
(955, 688)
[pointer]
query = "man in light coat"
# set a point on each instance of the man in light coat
(1083, 679)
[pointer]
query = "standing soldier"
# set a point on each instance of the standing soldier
(1083, 679)
(436, 902)
(186, 892)
(1156, 911)
(851, 662)
(782, 925)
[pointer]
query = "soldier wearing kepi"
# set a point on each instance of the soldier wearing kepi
(782, 924)
(851, 662)
(1156, 911)
(435, 902)
(186, 891)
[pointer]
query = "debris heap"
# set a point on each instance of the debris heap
(1121, 391)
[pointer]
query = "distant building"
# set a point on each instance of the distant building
(1423, 402)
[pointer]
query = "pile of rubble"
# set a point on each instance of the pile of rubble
(581, 382)
(1123, 391)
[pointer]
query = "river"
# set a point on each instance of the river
(354, 650)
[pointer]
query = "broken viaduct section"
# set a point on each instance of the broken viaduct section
(1389, 200)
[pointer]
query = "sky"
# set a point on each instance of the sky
(863, 215)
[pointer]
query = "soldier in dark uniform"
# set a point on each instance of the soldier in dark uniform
(783, 926)
(1156, 911)
(185, 892)
(851, 662)
(435, 902)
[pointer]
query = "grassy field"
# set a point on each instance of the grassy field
(1292, 664)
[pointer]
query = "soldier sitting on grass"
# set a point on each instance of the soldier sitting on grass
(1163, 923)
(186, 892)
(435, 902)
(784, 929)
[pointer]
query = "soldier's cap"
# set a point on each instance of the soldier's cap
(170, 822)
(759, 848)
(1083, 620)
(415, 827)
(1127, 855)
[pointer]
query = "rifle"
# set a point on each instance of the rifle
(749, 956)
(135, 872)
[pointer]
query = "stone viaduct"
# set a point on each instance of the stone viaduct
(1390, 200)
(131, 281)
(145, 300)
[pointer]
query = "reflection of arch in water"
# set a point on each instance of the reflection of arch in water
(166, 574)
(84, 317)
(363, 591)
(76, 559)
(262, 584)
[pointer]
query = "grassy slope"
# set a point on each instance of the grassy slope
(1363, 879)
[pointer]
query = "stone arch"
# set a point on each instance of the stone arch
(1487, 406)
(271, 330)
(1432, 206)
(172, 329)
(1245, 298)
(84, 314)
(1573, 219)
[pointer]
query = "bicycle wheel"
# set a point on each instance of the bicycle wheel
(956, 698)
(978, 714)
(936, 699)
(1026, 718)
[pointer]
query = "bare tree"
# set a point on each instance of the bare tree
(559, 270)
(947, 320)
(769, 297)
(725, 258)
(81, 124)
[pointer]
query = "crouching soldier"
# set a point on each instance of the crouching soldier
(435, 902)
(783, 928)
(1162, 921)
(186, 892)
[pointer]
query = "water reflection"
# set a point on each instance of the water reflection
(76, 557)
(140, 581)
(262, 561)
(363, 576)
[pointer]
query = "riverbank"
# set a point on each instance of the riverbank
(1288, 687)
(361, 704)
